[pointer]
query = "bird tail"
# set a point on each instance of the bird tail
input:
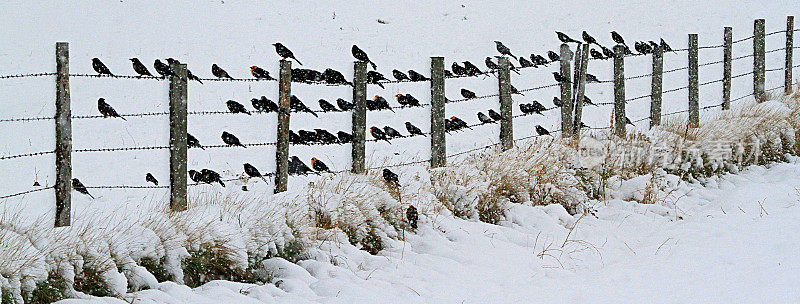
(374, 67)
(390, 109)
(380, 85)
(313, 113)
(515, 57)
(243, 146)
(298, 61)
(123, 118)
(265, 179)
(221, 183)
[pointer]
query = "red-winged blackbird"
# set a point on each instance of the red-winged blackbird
(607, 52)
(560, 78)
(100, 67)
(139, 67)
(553, 56)
(344, 137)
(327, 106)
(295, 139)
(400, 76)
(391, 132)
(307, 136)
(449, 126)
(401, 99)
(664, 46)
(260, 73)
(468, 94)
(189, 74)
(235, 107)
(284, 52)
(484, 119)
(344, 104)
(458, 70)
(591, 78)
(78, 186)
(208, 176)
(150, 178)
(332, 76)
(219, 72)
(325, 137)
(163, 69)
(264, 104)
(525, 63)
(588, 38)
(414, 76)
(106, 109)
(503, 49)
(391, 178)
(298, 106)
(378, 134)
(380, 103)
(458, 123)
(361, 55)
(192, 142)
(412, 216)
(494, 115)
(296, 166)
(374, 77)
(557, 102)
(490, 64)
(596, 54)
(566, 39)
(319, 165)
(541, 131)
(231, 140)
(471, 69)
(413, 130)
(251, 171)
(617, 38)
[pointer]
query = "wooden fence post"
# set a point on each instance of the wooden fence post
(727, 64)
(619, 90)
(656, 85)
(758, 61)
(63, 119)
(438, 141)
(787, 72)
(506, 104)
(359, 116)
(582, 63)
(284, 112)
(178, 100)
(566, 92)
(694, 87)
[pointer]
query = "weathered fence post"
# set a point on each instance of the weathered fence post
(282, 146)
(727, 64)
(656, 82)
(694, 87)
(359, 116)
(506, 104)
(787, 72)
(438, 143)
(566, 92)
(619, 90)
(582, 63)
(758, 61)
(63, 185)
(178, 95)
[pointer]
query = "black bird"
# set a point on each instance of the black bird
(195, 176)
(400, 76)
(514, 90)
(260, 73)
(538, 107)
(553, 56)
(284, 52)
(591, 78)
(163, 69)
(327, 106)
(295, 139)
(583, 126)
(471, 69)
(235, 107)
(412, 216)
(665, 47)
(449, 126)
(106, 109)
(307, 75)
(231, 140)
(296, 166)
(264, 104)
(209, 176)
(378, 134)
(527, 109)
(380, 103)
(566, 39)
(490, 64)
(653, 45)
(192, 142)
(560, 78)
(298, 106)
(413, 130)
(412, 101)
(251, 171)
(319, 165)
(139, 67)
(617, 38)
(525, 63)
(607, 52)
(150, 178)
(78, 186)
(468, 94)
(484, 119)
(596, 54)
(628, 121)
(642, 47)
(374, 77)
(391, 132)
(401, 99)
(100, 67)
(189, 74)
(504, 50)
(539, 60)
(361, 55)
(344, 137)
(458, 70)
(391, 178)
(541, 131)
(587, 100)
(308, 136)
(332, 76)
(448, 74)
(219, 72)
(458, 123)
(557, 102)
(325, 137)
(494, 115)
(588, 38)
(344, 104)
(414, 76)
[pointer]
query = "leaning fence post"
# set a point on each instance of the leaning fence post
(359, 116)
(694, 87)
(566, 92)
(727, 64)
(438, 145)
(656, 82)
(758, 61)
(178, 96)
(282, 145)
(63, 119)
(619, 90)
(582, 63)
(506, 104)
(787, 72)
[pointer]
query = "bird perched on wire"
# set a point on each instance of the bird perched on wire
(539, 59)
(344, 104)
(344, 137)
(513, 90)
(412, 216)
(163, 69)
(374, 77)
(296, 166)
(251, 171)
(327, 106)
(484, 119)
(490, 64)
(263, 104)
(151, 179)
(378, 134)
(78, 186)
(587, 100)
(642, 47)
(192, 142)
(458, 70)
(415, 76)
(566, 39)
(235, 107)
(380, 103)
(468, 94)
(653, 45)
(588, 38)
(308, 136)
(295, 139)
(332, 76)
(541, 131)
(411, 101)
(260, 73)
(494, 115)
(391, 132)
(557, 102)
(560, 78)
(528, 109)
(458, 124)
(319, 165)
(617, 38)
(553, 56)
(502, 49)
(219, 72)
(665, 47)
(591, 78)
(106, 110)
(361, 55)
(448, 74)
(231, 140)
(189, 74)
(525, 63)
(284, 52)
(471, 69)
(607, 52)
(298, 106)
(209, 176)
(537, 107)
(629, 122)
(325, 137)
(100, 67)
(400, 76)
(140, 68)
(391, 178)
(413, 130)
(596, 54)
